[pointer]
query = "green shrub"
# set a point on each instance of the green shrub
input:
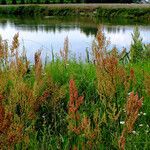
(136, 50)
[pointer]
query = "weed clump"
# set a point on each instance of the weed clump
(40, 110)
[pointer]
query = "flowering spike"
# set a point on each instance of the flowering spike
(132, 109)
(74, 105)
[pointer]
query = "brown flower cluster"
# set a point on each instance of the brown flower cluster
(81, 126)
(132, 108)
(74, 104)
(90, 132)
(110, 76)
(15, 44)
(10, 133)
(10, 59)
(38, 64)
(109, 73)
(14, 51)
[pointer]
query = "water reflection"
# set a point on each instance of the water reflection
(49, 33)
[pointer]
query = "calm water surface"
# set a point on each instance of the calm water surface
(49, 33)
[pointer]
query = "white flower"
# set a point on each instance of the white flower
(140, 125)
(146, 131)
(124, 110)
(134, 132)
(129, 93)
(122, 122)
(141, 113)
(144, 114)
(43, 116)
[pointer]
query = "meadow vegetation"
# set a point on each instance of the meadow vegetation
(102, 102)
(135, 11)
(4, 2)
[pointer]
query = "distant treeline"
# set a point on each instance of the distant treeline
(64, 1)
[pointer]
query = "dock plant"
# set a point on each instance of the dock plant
(69, 104)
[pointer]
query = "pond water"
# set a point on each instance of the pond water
(49, 33)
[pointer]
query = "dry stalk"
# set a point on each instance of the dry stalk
(38, 65)
(65, 51)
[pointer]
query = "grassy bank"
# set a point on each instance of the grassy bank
(98, 10)
(68, 104)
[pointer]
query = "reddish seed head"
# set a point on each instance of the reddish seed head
(140, 103)
(2, 114)
(73, 106)
(132, 73)
(122, 142)
(1, 98)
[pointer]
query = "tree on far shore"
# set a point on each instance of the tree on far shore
(14, 2)
(22, 1)
(3, 2)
